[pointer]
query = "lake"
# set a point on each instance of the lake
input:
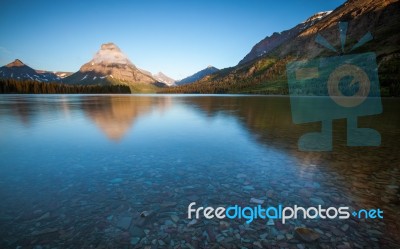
(119, 171)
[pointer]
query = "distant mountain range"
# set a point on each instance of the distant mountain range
(109, 66)
(197, 76)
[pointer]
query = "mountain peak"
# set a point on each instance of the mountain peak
(110, 46)
(108, 66)
(110, 53)
(160, 74)
(317, 16)
(161, 77)
(15, 63)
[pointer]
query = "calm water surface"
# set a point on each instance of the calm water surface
(81, 171)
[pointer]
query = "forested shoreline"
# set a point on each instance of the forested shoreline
(12, 86)
(35, 87)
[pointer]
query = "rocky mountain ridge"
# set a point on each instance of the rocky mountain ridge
(277, 38)
(19, 71)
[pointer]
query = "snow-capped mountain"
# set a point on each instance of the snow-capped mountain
(60, 75)
(164, 79)
(315, 18)
(271, 42)
(198, 76)
(19, 71)
(108, 66)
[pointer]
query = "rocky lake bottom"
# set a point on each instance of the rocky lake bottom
(120, 172)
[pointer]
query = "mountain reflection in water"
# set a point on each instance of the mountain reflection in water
(115, 115)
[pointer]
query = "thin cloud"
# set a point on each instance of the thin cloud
(4, 50)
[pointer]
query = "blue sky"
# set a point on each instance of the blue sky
(178, 38)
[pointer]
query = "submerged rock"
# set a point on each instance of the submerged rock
(44, 231)
(270, 222)
(124, 222)
(44, 216)
(306, 234)
(136, 231)
(317, 201)
(192, 222)
(168, 204)
(116, 180)
(135, 240)
(145, 214)
(280, 237)
(224, 225)
(256, 201)
(241, 175)
(175, 218)
(248, 188)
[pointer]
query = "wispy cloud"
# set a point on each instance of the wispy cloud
(4, 50)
